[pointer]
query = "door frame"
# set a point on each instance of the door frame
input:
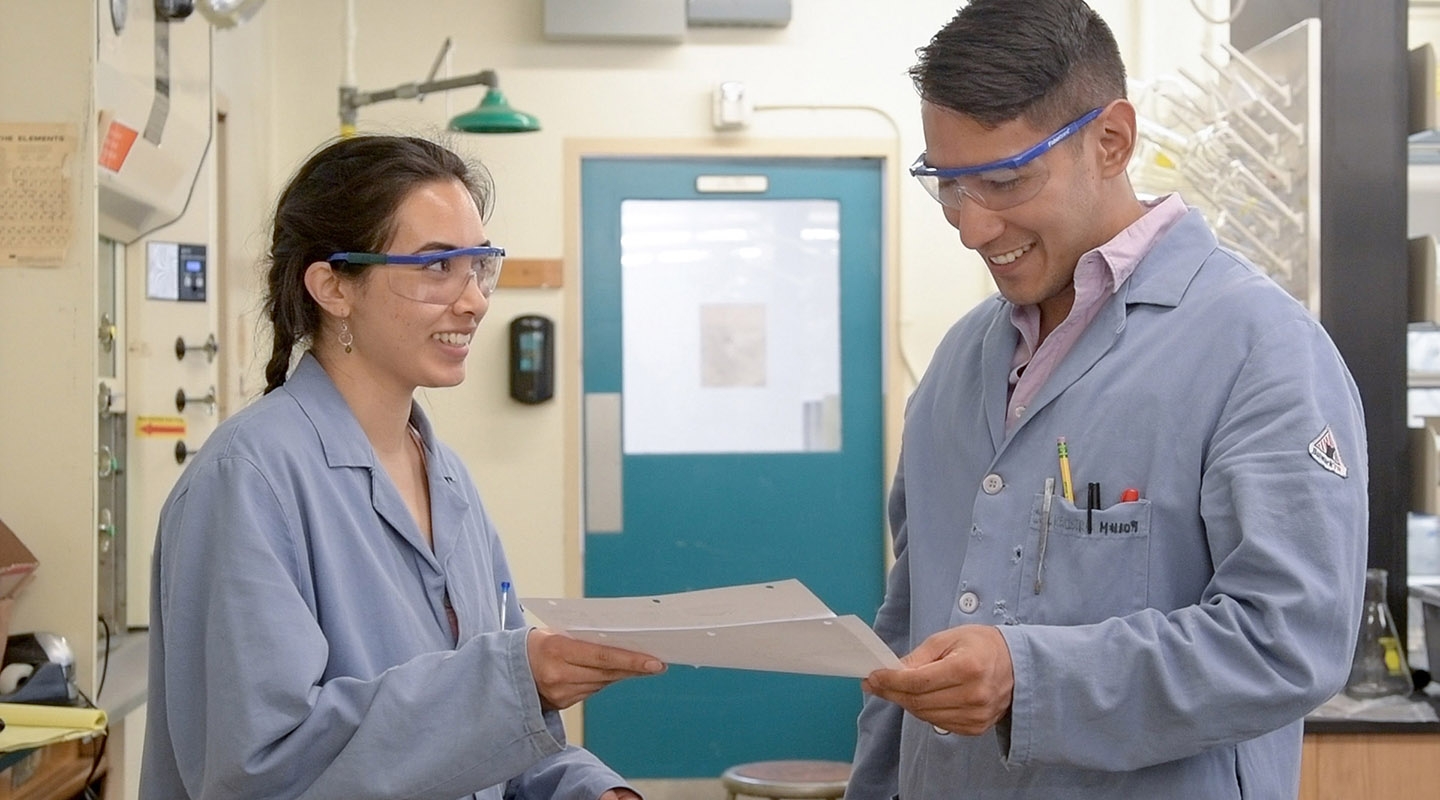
(570, 353)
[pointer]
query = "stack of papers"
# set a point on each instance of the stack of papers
(29, 725)
(774, 627)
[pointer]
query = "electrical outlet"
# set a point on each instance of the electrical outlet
(732, 107)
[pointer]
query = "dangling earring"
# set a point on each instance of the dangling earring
(345, 338)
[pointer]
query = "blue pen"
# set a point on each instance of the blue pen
(504, 601)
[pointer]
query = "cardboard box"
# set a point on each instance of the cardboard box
(17, 567)
(17, 563)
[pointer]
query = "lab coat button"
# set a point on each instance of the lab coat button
(992, 484)
(969, 601)
(1019, 412)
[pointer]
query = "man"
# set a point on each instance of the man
(1164, 633)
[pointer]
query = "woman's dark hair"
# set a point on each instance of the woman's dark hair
(345, 198)
(1047, 61)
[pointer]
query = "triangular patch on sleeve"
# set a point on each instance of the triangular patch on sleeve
(1327, 454)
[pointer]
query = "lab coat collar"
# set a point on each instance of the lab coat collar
(1161, 278)
(346, 445)
(1167, 270)
(340, 433)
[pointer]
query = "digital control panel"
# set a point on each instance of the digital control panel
(192, 272)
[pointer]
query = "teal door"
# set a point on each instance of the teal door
(733, 430)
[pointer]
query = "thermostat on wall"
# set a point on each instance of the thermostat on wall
(175, 271)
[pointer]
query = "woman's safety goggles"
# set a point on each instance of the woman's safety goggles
(438, 277)
(996, 185)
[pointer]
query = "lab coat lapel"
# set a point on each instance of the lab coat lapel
(448, 504)
(392, 509)
(1096, 340)
(1160, 279)
(449, 511)
(347, 447)
(997, 352)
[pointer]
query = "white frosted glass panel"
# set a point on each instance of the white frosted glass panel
(731, 325)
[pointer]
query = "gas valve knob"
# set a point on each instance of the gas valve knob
(182, 399)
(210, 348)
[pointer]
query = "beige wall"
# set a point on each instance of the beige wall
(244, 73)
(1425, 25)
(48, 352)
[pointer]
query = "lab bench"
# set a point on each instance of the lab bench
(1345, 759)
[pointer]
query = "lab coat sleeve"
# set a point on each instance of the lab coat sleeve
(248, 711)
(1272, 635)
(571, 774)
(875, 769)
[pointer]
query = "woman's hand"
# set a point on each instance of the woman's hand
(620, 794)
(568, 670)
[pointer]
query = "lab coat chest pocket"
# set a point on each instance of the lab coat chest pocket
(1094, 566)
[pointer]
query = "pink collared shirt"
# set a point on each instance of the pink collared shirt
(1099, 274)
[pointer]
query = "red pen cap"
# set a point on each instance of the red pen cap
(1130, 495)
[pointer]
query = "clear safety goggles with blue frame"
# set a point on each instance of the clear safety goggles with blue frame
(438, 277)
(996, 185)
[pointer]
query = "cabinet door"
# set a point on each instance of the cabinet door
(1345, 766)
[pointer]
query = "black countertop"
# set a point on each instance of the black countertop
(1337, 725)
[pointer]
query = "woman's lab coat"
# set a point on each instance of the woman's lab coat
(1172, 645)
(300, 644)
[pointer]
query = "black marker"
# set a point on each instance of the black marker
(1090, 503)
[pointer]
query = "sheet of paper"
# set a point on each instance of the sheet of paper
(777, 627)
(37, 217)
(731, 605)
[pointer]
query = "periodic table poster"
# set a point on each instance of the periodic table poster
(36, 215)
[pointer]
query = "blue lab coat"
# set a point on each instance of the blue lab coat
(299, 640)
(1173, 648)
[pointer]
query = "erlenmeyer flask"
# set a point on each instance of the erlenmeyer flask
(1379, 668)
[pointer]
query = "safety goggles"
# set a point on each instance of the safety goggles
(439, 277)
(996, 185)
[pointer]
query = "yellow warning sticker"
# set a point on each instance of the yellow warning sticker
(162, 427)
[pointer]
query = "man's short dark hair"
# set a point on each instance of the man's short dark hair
(1048, 61)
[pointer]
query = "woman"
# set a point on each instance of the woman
(326, 615)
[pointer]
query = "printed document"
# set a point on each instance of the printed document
(776, 627)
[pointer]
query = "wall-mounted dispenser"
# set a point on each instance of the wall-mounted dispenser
(532, 358)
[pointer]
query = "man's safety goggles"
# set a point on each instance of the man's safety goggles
(996, 185)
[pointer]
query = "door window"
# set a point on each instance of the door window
(731, 326)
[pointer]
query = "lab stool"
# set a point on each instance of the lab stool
(787, 779)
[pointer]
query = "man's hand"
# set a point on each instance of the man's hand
(567, 670)
(960, 680)
(620, 794)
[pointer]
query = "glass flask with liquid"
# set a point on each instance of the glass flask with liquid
(1379, 668)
